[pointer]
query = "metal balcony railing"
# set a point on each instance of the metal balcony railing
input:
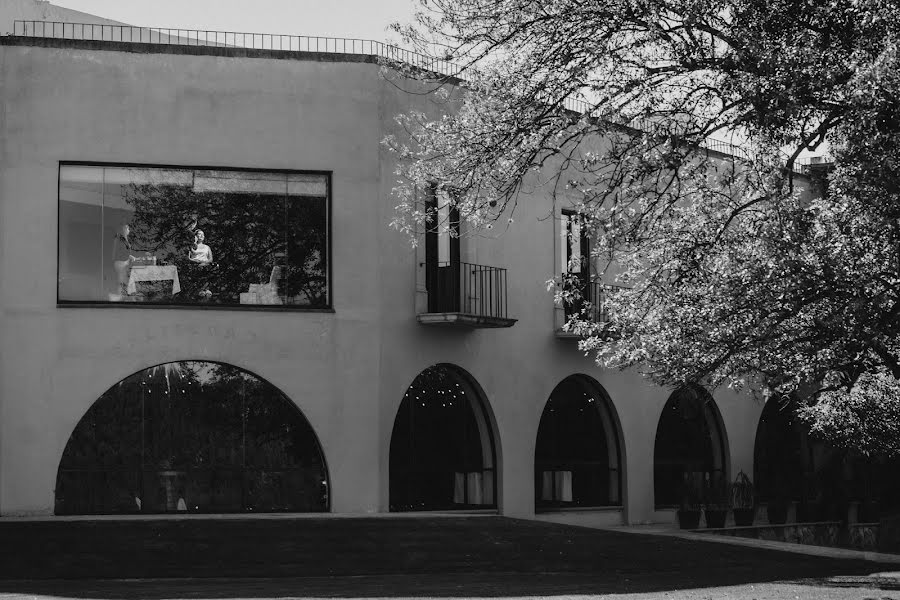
(469, 289)
(231, 39)
(591, 305)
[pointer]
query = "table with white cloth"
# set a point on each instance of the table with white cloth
(153, 273)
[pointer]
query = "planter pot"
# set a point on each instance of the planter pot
(743, 517)
(777, 512)
(715, 518)
(689, 519)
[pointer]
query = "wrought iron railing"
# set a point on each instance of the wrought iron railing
(590, 302)
(231, 39)
(468, 288)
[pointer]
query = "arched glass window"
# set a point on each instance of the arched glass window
(442, 448)
(577, 457)
(192, 436)
(690, 445)
(782, 457)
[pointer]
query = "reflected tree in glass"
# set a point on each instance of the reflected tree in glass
(256, 239)
(192, 436)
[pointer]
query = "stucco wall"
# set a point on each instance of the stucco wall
(346, 370)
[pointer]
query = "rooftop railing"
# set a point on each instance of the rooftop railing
(230, 39)
(288, 43)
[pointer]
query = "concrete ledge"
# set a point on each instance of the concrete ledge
(605, 516)
(44, 518)
(463, 320)
(824, 551)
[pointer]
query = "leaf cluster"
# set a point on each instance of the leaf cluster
(735, 268)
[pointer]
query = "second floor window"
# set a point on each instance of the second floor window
(576, 262)
(178, 236)
(442, 253)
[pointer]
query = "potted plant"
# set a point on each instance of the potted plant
(718, 501)
(743, 503)
(691, 502)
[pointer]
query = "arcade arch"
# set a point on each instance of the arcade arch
(192, 436)
(578, 457)
(691, 448)
(442, 452)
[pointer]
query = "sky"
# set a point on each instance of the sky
(365, 19)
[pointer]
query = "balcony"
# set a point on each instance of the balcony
(466, 295)
(593, 298)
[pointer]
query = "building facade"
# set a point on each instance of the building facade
(335, 367)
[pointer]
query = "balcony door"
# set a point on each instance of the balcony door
(442, 258)
(576, 267)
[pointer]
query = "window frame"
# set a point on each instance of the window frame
(327, 174)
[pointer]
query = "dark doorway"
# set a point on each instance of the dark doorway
(690, 445)
(442, 254)
(442, 448)
(577, 459)
(577, 268)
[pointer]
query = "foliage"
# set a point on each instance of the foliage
(736, 270)
(865, 419)
(249, 234)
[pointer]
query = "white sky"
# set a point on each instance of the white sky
(366, 19)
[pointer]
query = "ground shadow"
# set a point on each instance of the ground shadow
(381, 557)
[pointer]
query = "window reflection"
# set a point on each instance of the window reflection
(192, 437)
(182, 236)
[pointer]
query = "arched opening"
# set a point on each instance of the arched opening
(790, 465)
(782, 454)
(577, 457)
(192, 436)
(690, 445)
(442, 445)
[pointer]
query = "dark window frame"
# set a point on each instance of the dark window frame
(328, 307)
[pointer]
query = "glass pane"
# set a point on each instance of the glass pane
(98, 492)
(81, 258)
(307, 185)
(297, 490)
(214, 490)
(180, 236)
(143, 212)
(249, 246)
(192, 436)
(572, 459)
(307, 252)
(240, 182)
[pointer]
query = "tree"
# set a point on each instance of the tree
(249, 234)
(732, 271)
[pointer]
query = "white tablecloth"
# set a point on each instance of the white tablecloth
(153, 273)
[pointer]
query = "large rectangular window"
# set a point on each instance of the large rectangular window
(193, 236)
